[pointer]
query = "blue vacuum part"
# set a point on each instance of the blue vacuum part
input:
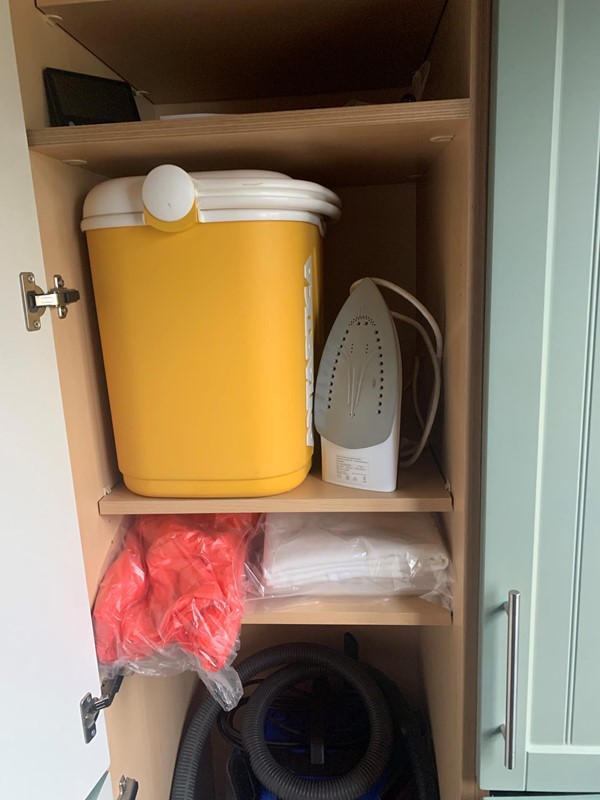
(318, 735)
(318, 731)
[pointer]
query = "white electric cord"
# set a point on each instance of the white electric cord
(427, 340)
(417, 304)
(407, 453)
(415, 394)
(436, 361)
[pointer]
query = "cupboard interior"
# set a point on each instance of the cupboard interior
(41, 42)
(414, 233)
(213, 57)
(413, 223)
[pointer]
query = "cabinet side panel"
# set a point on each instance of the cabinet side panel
(443, 285)
(449, 657)
(60, 191)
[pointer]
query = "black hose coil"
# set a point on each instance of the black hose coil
(308, 660)
(289, 786)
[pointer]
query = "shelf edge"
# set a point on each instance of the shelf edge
(241, 124)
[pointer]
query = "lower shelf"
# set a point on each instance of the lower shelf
(349, 611)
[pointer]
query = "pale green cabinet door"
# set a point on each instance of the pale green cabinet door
(541, 519)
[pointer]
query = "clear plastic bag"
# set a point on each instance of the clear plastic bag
(355, 554)
(172, 599)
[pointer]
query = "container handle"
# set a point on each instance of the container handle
(170, 200)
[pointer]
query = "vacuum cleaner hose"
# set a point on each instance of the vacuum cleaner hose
(308, 661)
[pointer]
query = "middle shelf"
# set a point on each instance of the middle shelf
(420, 488)
(349, 611)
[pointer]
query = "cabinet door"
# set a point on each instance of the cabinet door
(48, 662)
(542, 441)
(102, 790)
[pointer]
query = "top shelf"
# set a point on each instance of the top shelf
(338, 146)
(186, 51)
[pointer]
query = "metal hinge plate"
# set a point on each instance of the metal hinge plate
(128, 789)
(91, 707)
(36, 301)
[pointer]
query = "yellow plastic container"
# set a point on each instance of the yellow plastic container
(207, 288)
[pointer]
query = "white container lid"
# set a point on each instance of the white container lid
(169, 194)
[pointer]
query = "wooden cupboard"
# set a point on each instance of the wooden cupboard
(412, 180)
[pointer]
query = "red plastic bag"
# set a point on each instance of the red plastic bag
(173, 598)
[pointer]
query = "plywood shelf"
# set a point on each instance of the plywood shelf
(348, 611)
(421, 488)
(351, 145)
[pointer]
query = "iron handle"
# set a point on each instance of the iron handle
(509, 729)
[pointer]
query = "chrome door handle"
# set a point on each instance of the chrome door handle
(509, 729)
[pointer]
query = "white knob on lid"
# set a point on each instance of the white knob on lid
(168, 193)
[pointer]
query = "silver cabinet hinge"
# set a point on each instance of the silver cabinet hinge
(91, 707)
(128, 789)
(36, 301)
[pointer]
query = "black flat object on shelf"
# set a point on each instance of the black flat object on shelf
(78, 99)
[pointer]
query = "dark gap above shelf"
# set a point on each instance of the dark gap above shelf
(186, 51)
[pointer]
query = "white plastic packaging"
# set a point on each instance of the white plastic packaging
(372, 555)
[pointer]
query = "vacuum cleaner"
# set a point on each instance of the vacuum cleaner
(320, 726)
